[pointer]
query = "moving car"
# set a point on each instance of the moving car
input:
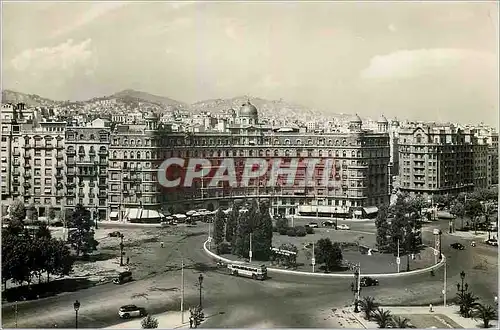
(492, 242)
(368, 281)
(312, 225)
(128, 311)
(328, 223)
(343, 227)
(457, 246)
(123, 277)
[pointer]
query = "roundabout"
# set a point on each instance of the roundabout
(287, 299)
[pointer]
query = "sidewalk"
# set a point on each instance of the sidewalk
(330, 218)
(167, 320)
(481, 235)
(450, 312)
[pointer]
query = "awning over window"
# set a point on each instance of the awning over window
(370, 209)
(113, 214)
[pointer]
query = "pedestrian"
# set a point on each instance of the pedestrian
(161, 244)
(128, 260)
(496, 300)
(430, 308)
(190, 321)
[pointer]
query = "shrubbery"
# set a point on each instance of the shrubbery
(291, 231)
(223, 248)
(300, 231)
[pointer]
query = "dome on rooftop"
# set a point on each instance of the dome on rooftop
(356, 119)
(248, 110)
(382, 120)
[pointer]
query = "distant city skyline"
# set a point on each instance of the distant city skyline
(421, 61)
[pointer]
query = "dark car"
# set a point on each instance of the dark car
(458, 246)
(328, 223)
(492, 242)
(368, 281)
(115, 234)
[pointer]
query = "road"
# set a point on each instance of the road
(283, 300)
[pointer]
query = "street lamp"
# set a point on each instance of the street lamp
(355, 289)
(96, 215)
(76, 306)
(121, 249)
(336, 219)
(200, 281)
(462, 288)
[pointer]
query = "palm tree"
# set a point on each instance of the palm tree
(368, 306)
(383, 318)
(486, 313)
(401, 322)
(467, 302)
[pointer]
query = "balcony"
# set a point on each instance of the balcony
(27, 175)
(59, 146)
(71, 152)
(70, 194)
(91, 184)
(27, 185)
(102, 194)
(16, 153)
(71, 173)
(16, 173)
(103, 173)
(59, 175)
(59, 165)
(16, 183)
(27, 165)
(70, 184)
(91, 195)
(103, 184)
(59, 155)
(48, 146)
(92, 152)
(103, 152)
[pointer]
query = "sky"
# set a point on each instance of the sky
(414, 60)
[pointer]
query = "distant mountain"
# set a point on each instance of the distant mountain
(146, 97)
(130, 99)
(9, 96)
(268, 108)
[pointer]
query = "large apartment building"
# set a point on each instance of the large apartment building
(437, 160)
(32, 160)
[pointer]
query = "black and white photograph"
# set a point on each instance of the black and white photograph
(249, 164)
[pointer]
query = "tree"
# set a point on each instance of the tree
(287, 260)
(149, 322)
(32, 213)
(368, 306)
(241, 239)
(328, 253)
(219, 226)
(485, 313)
(60, 262)
(51, 215)
(382, 318)
(282, 225)
(300, 231)
(382, 228)
(458, 210)
(17, 211)
(467, 302)
(232, 222)
(262, 226)
(81, 234)
(401, 322)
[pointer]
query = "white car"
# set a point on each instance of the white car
(343, 227)
(312, 225)
(128, 311)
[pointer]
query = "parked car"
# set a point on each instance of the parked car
(457, 246)
(492, 242)
(312, 225)
(128, 311)
(368, 281)
(328, 223)
(343, 227)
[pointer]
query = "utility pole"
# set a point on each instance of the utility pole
(444, 284)
(398, 260)
(250, 252)
(121, 249)
(313, 259)
(182, 291)
(15, 312)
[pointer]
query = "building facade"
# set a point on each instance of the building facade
(436, 160)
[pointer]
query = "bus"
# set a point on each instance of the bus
(123, 277)
(255, 272)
